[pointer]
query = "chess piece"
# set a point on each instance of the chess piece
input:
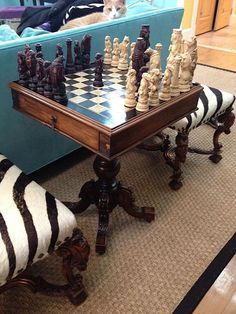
(85, 47)
(143, 93)
(175, 47)
(47, 80)
(191, 47)
(123, 61)
(22, 69)
(56, 71)
(98, 82)
(130, 100)
(70, 67)
(185, 73)
(132, 45)
(154, 59)
(137, 58)
(31, 63)
(40, 73)
(77, 59)
(145, 34)
(115, 52)
(174, 86)
(154, 87)
(158, 48)
(59, 50)
(107, 50)
(166, 81)
(38, 51)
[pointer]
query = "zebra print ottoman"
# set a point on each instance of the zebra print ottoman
(213, 103)
(33, 224)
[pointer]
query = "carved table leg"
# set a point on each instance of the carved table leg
(225, 121)
(181, 150)
(106, 193)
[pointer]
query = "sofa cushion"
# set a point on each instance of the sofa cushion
(32, 222)
(212, 103)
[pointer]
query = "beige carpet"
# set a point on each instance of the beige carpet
(148, 268)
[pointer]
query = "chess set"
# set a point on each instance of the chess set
(128, 77)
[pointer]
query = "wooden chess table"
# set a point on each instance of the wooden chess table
(98, 120)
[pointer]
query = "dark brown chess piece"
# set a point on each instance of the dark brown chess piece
(40, 73)
(38, 51)
(98, 82)
(22, 69)
(31, 63)
(137, 58)
(57, 81)
(59, 51)
(145, 34)
(85, 51)
(77, 60)
(70, 67)
(47, 80)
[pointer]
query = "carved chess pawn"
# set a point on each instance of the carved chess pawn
(143, 93)
(174, 86)
(123, 62)
(154, 87)
(98, 82)
(166, 81)
(107, 50)
(130, 100)
(115, 52)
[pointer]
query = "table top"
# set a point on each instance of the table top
(96, 117)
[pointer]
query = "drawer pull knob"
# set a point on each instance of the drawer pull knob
(53, 122)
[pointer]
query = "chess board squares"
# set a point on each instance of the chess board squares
(98, 108)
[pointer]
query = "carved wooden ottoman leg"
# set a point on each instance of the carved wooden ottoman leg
(181, 150)
(75, 253)
(226, 120)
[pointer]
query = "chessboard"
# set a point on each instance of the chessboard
(104, 104)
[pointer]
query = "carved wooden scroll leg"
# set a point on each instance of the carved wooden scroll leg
(181, 150)
(74, 253)
(126, 200)
(226, 120)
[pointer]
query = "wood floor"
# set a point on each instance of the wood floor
(221, 297)
(218, 49)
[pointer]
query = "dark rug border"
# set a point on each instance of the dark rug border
(205, 281)
(215, 67)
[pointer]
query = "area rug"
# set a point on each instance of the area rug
(217, 58)
(148, 267)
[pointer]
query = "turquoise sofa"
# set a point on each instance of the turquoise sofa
(27, 143)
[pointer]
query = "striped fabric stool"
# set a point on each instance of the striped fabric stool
(33, 224)
(213, 103)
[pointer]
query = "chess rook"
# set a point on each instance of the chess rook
(70, 67)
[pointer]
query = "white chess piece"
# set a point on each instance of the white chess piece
(132, 45)
(166, 81)
(185, 73)
(174, 86)
(107, 50)
(158, 48)
(154, 59)
(130, 100)
(143, 93)
(154, 87)
(115, 52)
(123, 61)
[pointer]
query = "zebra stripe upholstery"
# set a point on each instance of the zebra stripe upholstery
(32, 222)
(212, 103)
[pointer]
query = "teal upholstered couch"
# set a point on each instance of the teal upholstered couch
(27, 143)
